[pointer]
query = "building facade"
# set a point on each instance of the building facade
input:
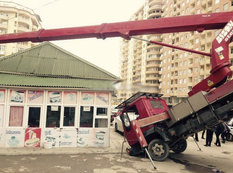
(168, 71)
(15, 18)
(140, 61)
(50, 96)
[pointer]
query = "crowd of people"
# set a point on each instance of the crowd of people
(220, 130)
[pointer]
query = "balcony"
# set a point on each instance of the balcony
(23, 29)
(23, 20)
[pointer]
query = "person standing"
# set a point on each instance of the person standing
(219, 130)
(202, 135)
(209, 136)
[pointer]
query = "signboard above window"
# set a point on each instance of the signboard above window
(35, 97)
(54, 97)
(17, 96)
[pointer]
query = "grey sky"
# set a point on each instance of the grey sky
(72, 13)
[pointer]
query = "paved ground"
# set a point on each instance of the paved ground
(109, 160)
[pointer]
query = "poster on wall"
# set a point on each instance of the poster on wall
(54, 97)
(89, 137)
(101, 138)
(52, 135)
(35, 97)
(2, 96)
(32, 137)
(2, 137)
(84, 136)
(87, 98)
(102, 99)
(68, 138)
(14, 137)
(70, 97)
(17, 96)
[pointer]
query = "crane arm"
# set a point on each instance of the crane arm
(126, 29)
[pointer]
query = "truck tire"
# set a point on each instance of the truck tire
(158, 149)
(180, 146)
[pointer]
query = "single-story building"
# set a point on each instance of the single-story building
(50, 96)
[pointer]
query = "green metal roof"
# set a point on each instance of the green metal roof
(48, 65)
(48, 82)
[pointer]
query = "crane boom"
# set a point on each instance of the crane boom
(126, 29)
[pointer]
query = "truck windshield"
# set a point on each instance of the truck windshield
(156, 104)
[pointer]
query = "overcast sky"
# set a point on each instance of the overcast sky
(72, 13)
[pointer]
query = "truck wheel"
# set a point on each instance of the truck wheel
(180, 146)
(158, 149)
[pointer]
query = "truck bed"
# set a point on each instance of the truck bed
(201, 111)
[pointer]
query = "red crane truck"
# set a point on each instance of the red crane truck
(158, 128)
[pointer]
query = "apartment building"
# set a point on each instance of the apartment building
(181, 70)
(152, 68)
(140, 61)
(15, 18)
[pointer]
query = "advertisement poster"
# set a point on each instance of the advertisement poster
(89, 137)
(52, 135)
(2, 137)
(70, 97)
(101, 138)
(17, 96)
(14, 137)
(84, 137)
(102, 98)
(2, 96)
(35, 97)
(68, 138)
(54, 97)
(87, 98)
(32, 137)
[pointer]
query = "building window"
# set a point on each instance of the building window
(101, 123)
(34, 117)
(53, 116)
(2, 49)
(225, 7)
(231, 50)
(86, 116)
(216, 1)
(16, 116)
(102, 112)
(69, 116)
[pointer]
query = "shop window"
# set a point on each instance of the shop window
(34, 117)
(16, 116)
(101, 123)
(86, 116)
(69, 114)
(102, 112)
(53, 116)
